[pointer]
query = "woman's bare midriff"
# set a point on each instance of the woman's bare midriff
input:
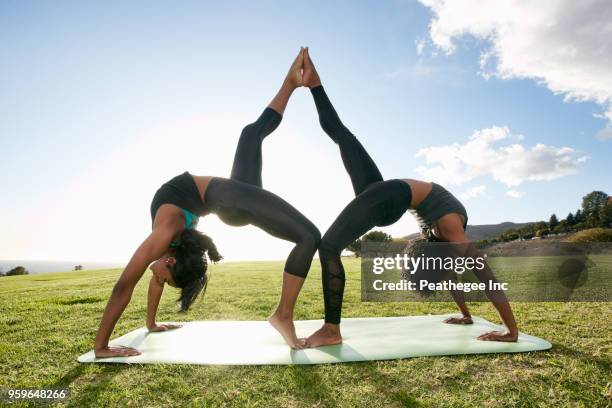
(202, 183)
(420, 190)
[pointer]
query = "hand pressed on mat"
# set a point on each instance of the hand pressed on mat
(116, 351)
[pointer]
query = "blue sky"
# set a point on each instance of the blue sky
(102, 103)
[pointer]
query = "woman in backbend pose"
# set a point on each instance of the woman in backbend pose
(178, 251)
(382, 203)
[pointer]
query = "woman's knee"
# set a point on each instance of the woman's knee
(250, 133)
(311, 239)
(337, 131)
(298, 263)
(329, 250)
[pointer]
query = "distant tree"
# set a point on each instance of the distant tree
(595, 211)
(592, 204)
(2, 273)
(553, 222)
(510, 235)
(526, 231)
(592, 220)
(372, 236)
(593, 201)
(605, 215)
(562, 227)
(355, 247)
(18, 270)
(580, 226)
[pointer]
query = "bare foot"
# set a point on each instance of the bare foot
(328, 335)
(459, 320)
(499, 336)
(310, 77)
(294, 76)
(286, 328)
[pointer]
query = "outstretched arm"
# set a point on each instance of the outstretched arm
(154, 295)
(499, 300)
(459, 299)
(451, 229)
(151, 249)
(156, 288)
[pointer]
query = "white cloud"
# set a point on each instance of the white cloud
(604, 134)
(515, 194)
(565, 45)
(484, 155)
(472, 192)
(420, 45)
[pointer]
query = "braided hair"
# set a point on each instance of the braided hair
(189, 271)
(426, 248)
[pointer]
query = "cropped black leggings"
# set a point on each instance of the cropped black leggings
(241, 200)
(377, 203)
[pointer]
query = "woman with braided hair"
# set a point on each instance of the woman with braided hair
(178, 252)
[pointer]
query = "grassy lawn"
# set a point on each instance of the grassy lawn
(48, 320)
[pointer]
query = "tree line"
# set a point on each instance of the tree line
(595, 212)
(18, 270)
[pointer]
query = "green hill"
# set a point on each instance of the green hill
(485, 231)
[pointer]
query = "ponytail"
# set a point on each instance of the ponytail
(189, 271)
(194, 241)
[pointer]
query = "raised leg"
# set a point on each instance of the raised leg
(359, 165)
(248, 157)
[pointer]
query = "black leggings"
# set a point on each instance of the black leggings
(377, 203)
(241, 200)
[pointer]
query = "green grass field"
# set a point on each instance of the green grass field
(47, 320)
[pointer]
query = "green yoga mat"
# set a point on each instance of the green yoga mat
(257, 343)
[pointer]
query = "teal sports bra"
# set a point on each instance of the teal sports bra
(191, 221)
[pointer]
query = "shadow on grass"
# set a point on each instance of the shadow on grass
(309, 385)
(387, 386)
(603, 364)
(69, 301)
(88, 394)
